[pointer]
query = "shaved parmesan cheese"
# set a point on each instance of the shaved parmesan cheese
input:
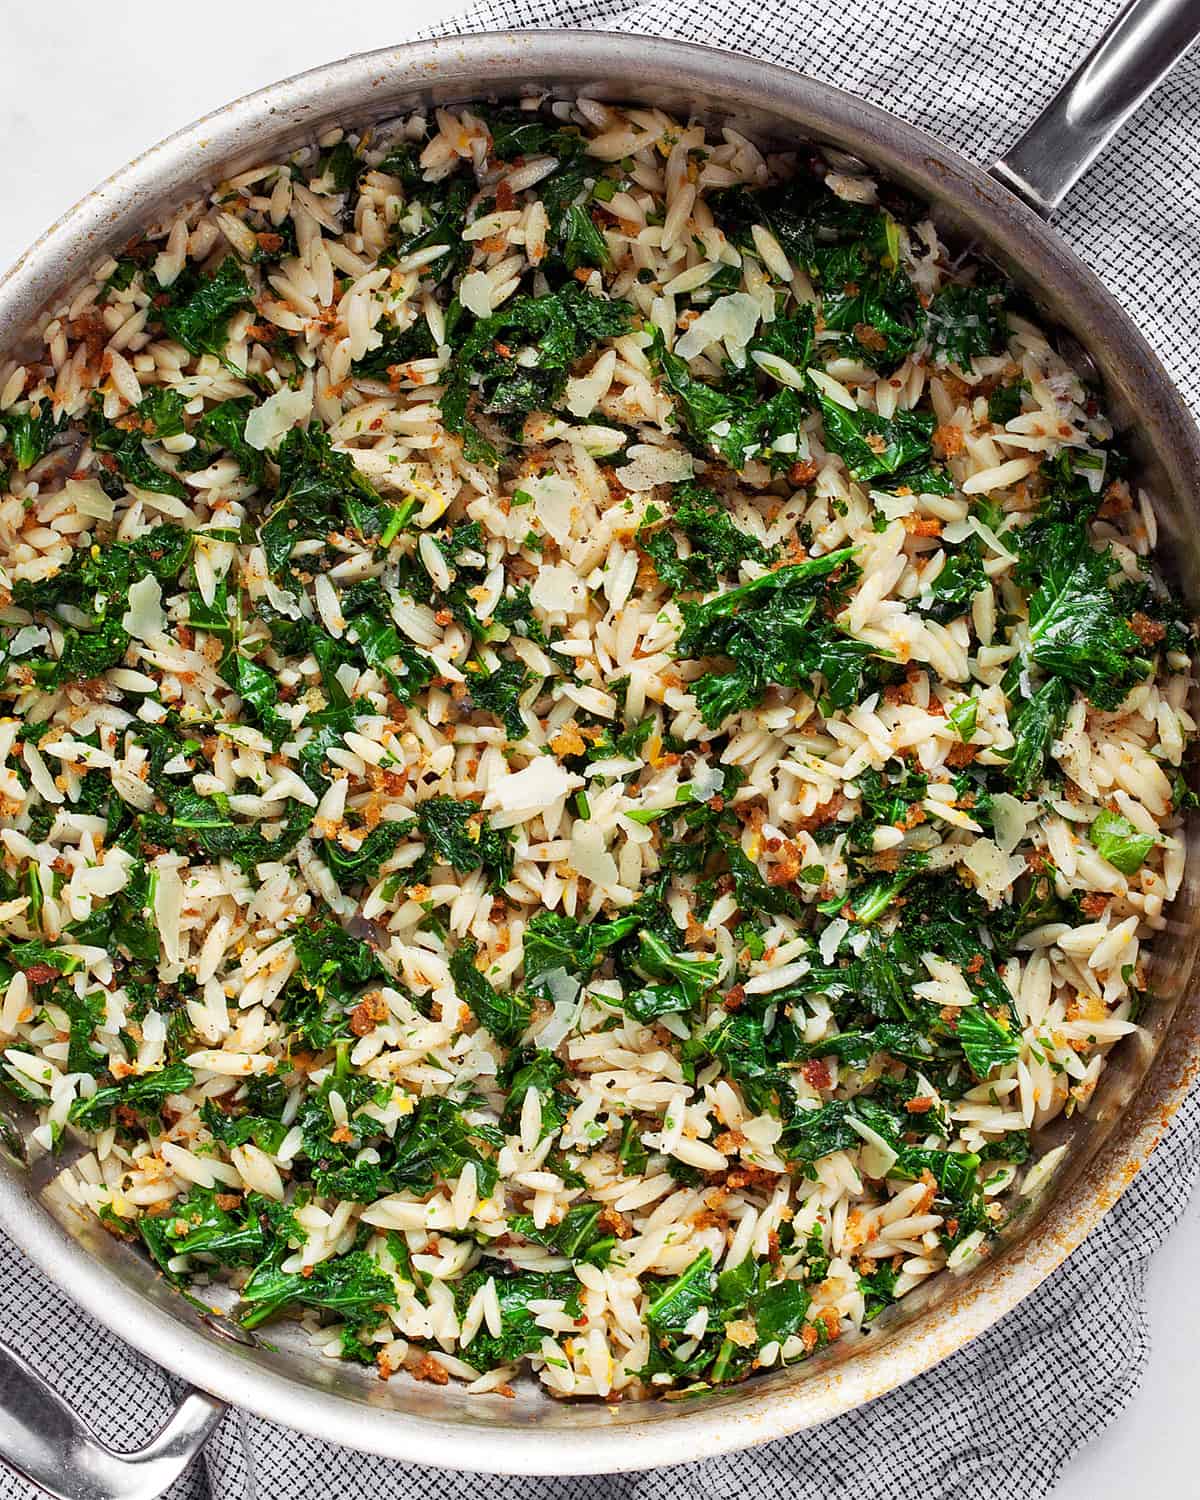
(475, 293)
(585, 391)
(27, 639)
(730, 321)
(589, 857)
(168, 906)
(994, 871)
(557, 587)
(1010, 819)
(144, 618)
(707, 781)
(649, 466)
(567, 998)
(88, 499)
(266, 424)
(531, 791)
(555, 503)
(831, 938)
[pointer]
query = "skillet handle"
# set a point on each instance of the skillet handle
(47, 1442)
(1130, 60)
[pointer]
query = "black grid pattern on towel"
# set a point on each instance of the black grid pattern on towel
(998, 1420)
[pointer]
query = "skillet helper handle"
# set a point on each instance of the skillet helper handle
(47, 1442)
(1132, 57)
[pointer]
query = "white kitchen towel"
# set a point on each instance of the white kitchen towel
(998, 1420)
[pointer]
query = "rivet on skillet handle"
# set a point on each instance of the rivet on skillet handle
(46, 1442)
(1132, 57)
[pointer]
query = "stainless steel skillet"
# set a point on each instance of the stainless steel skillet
(1004, 213)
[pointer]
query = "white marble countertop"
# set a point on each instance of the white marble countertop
(85, 87)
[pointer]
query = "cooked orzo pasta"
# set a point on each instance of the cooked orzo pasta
(590, 747)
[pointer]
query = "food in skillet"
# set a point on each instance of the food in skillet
(589, 745)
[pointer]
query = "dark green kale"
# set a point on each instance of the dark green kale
(259, 691)
(353, 1285)
(85, 1014)
(789, 337)
(801, 213)
(890, 453)
(505, 1015)
(414, 342)
(1119, 842)
(444, 217)
(122, 444)
(107, 571)
(199, 307)
(627, 745)
(380, 645)
(888, 799)
(432, 1144)
(467, 536)
(497, 690)
(1076, 630)
(360, 866)
(554, 941)
(31, 433)
(875, 304)
(515, 612)
(403, 161)
(1152, 608)
(201, 823)
(85, 654)
(224, 426)
(320, 490)
(235, 1130)
(958, 581)
(755, 897)
(124, 922)
(141, 1092)
(738, 1041)
(673, 1309)
(986, 1044)
(966, 321)
(94, 586)
(457, 834)
(878, 1289)
(736, 418)
(717, 546)
(560, 327)
(1036, 902)
(542, 1072)
(341, 166)
(1005, 402)
(775, 632)
(743, 1293)
(523, 132)
(438, 1142)
(196, 1224)
(256, 1232)
(683, 981)
(1035, 724)
(520, 1333)
(577, 1235)
(334, 969)
(583, 244)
